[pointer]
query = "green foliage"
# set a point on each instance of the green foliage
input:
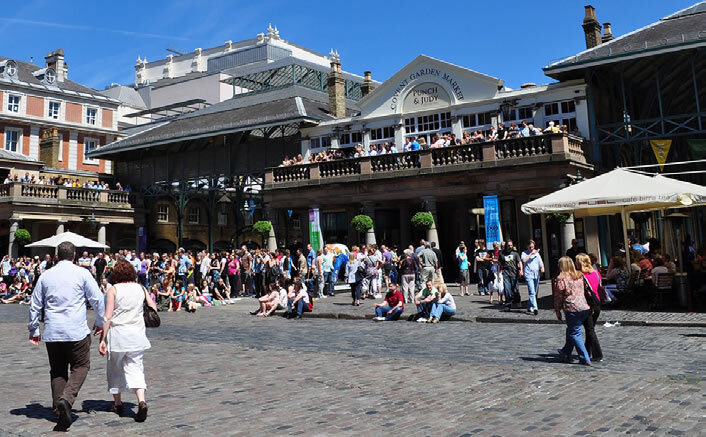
(423, 220)
(558, 217)
(262, 227)
(22, 237)
(362, 223)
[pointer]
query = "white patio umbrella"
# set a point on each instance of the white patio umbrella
(75, 239)
(620, 191)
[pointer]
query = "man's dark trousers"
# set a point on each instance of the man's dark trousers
(63, 355)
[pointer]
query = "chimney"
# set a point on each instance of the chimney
(367, 86)
(55, 60)
(607, 33)
(591, 28)
(336, 87)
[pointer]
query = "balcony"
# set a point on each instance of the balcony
(61, 195)
(505, 153)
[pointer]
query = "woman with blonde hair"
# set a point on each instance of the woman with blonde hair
(593, 282)
(569, 297)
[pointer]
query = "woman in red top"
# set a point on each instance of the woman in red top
(392, 307)
(593, 278)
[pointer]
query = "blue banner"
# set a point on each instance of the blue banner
(492, 221)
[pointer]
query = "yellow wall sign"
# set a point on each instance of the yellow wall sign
(661, 151)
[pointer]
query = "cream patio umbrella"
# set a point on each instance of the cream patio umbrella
(75, 239)
(620, 191)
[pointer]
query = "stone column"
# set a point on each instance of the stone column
(405, 226)
(430, 206)
(457, 126)
(101, 233)
(369, 210)
(12, 248)
(60, 226)
(271, 237)
(399, 135)
(568, 233)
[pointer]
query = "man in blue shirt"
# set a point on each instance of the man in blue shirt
(310, 257)
(532, 266)
(183, 267)
(415, 145)
(61, 293)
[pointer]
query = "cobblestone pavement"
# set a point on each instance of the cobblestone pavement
(478, 308)
(223, 372)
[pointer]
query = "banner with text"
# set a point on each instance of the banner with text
(492, 221)
(315, 236)
(661, 151)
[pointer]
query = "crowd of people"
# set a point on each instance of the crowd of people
(438, 140)
(64, 181)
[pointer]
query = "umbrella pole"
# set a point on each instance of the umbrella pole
(626, 242)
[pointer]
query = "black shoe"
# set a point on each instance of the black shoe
(299, 316)
(64, 410)
(254, 312)
(117, 409)
(536, 312)
(507, 309)
(141, 412)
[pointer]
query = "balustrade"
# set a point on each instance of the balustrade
(61, 193)
(560, 144)
(457, 155)
(40, 191)
(395, 161)
(524, 147)
(291, 173)
(342, 167)
(82, 194)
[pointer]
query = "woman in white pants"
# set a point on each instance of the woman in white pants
(124, 340)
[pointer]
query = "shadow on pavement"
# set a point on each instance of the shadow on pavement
(104, 405)
(543, 358)
(35, 411)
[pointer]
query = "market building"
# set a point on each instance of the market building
(646, 92)
(48, 126)
(201, 172)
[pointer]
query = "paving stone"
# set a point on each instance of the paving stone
(221, 371)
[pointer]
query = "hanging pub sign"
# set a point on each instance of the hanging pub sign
(661, 151)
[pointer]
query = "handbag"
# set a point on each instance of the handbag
(151, 317)
(591, 298)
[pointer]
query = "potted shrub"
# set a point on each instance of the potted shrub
(262, 227)
(423, 220)
(362, 223)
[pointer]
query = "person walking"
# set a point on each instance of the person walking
(124, 341)
(532, 266)
(569, 297)
(463, 268)
(483, 264)
(593, 279)
(61, 294)
(512, 270)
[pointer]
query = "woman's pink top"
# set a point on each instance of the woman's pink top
(594, 278)
(232, 267)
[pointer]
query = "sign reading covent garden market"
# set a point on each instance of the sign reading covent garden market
(427, 95)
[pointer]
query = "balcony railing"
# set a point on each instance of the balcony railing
(506, 152)
(60, 194)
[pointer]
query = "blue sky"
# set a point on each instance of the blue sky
(511, 40)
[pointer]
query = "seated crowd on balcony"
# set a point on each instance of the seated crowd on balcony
(438, 140)
(63, 181)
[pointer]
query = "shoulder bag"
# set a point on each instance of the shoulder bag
(152, 319)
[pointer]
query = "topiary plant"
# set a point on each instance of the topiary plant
(362, 223)
(22, 237)
(262, 227)
(558, 217)
(423, 220)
